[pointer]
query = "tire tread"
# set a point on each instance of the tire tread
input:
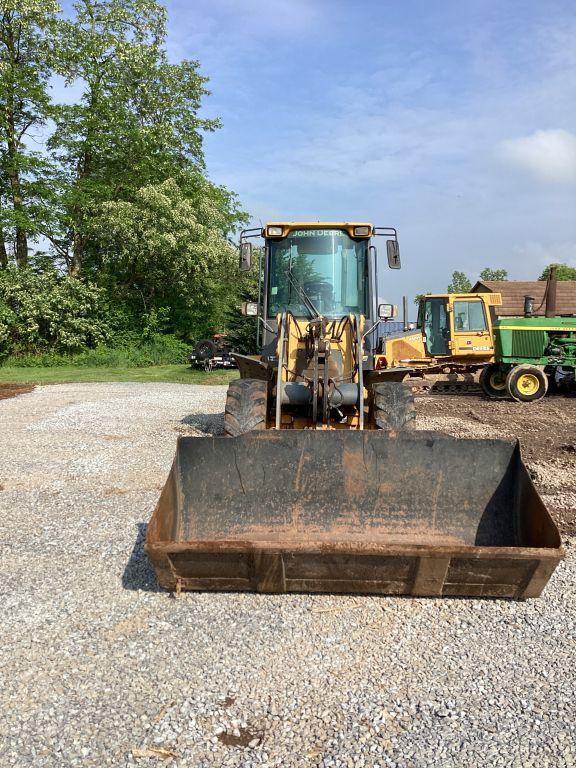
(246, 406)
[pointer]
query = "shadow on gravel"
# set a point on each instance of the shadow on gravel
(208, 423)
(139, 573)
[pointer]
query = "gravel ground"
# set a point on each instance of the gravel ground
(98, 668)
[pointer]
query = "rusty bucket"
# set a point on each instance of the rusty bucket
(416, 513)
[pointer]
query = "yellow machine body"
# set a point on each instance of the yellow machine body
(453, 328)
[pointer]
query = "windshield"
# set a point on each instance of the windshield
(326, 264)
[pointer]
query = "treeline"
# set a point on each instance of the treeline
(111, 232)
(461, 283)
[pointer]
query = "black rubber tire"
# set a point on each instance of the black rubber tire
(490, 375)
(514, 383)
(392, 406)
(246, 406)
(205, 349)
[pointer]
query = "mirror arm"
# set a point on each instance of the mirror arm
(369, 331)
(265, 324)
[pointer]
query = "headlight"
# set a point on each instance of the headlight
(387, 311)
(361, 231)
(274, 231)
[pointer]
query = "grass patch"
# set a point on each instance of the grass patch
(178, 374)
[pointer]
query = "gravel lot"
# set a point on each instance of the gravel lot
(98, 668)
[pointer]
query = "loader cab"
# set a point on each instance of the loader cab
(317, 269)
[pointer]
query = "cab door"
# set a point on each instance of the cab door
(470, 328)
(435, 326)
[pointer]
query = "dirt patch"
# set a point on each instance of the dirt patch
(13, 390)
(545, 429)
(242, 738)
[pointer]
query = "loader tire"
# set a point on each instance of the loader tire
(246, 406)
(392, 406)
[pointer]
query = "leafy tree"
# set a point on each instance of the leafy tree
(166, 251)
(45, 310)
(118, 188)
(25, 26)
(494, 274)
(460, 283)
(418, 298)
(136, 123)
(563, 272)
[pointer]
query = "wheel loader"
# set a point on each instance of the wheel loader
(452, 343)
(319, 483)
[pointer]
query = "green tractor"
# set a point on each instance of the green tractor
(532, 353)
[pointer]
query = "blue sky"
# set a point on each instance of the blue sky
(453, 120)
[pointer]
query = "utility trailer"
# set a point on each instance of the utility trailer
(379, 512)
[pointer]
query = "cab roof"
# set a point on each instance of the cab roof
(348, 226)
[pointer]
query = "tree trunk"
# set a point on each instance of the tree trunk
(3, 252)
(19, 208)
(12, 156)
(17, 197)
(21, 247)
(77, 253)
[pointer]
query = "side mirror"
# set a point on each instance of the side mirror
(393, 251)
(387, 311)
(245, 256)
(249, 308)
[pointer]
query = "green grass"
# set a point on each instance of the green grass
(179, 374)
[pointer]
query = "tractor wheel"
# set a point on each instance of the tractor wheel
(526, 383)
(246, 406)
(493, 381)
(392, 406)
(205, 349)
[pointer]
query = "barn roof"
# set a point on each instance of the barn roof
(514, 291)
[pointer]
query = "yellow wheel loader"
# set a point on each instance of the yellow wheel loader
(450, 347)
(319, 483)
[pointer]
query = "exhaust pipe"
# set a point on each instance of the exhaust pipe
(405, 312)
(551, 292)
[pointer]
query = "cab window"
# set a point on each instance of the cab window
(469, 316)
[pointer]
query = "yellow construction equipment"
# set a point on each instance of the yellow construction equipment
(452, 343)
(320, 484)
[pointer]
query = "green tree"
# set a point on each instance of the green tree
(494, 274)
(563, 272)
(460, 283)
(25, 174)
(136, 123)
(166, 250)
(40, 311)
(119, 187)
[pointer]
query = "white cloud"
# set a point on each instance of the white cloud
(549, 155)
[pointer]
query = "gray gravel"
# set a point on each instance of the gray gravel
(99, 668)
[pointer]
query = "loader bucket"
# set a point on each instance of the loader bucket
(416, 513)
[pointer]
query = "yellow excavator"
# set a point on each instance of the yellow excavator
(319, 484)
(450, 347)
